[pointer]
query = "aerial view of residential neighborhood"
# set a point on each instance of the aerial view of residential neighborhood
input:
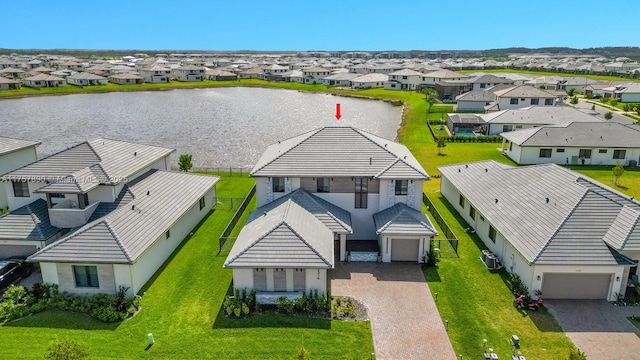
(201, 180)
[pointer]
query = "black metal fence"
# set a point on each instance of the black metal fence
(450, 237)
(225, 171)
(234, 220)
(224, 203)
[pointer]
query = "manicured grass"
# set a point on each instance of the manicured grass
(182, 308)
(549, 73)
(628, 181)
(635, 321)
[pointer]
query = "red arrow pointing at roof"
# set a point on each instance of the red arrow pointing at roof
(338, 116)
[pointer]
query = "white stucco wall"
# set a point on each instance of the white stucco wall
(243, 279)
(122, 276)
(12, 161)
(106, 193)
(531, 155)
(16, 202)
(49, 273)
(316, 279)
(361, 219)
(151, 260)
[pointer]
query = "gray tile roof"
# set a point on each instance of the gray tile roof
(406, 72)
(477, 95)
(80, 182)
(86, 76)
(30, 222)
(403, 220)
(111, 161)
(491, 79)
(578, 134)
(8, 145)
(568, 229)
(288, 236)
(335, 218)
(539, 115)
(370, 78)
(524, 91)
(338, 151)
(126, 233)
(445, 74)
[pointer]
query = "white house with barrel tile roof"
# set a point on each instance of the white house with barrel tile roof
(102, 214)
(351, 187)
(563, 233)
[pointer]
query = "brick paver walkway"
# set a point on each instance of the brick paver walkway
(404, 318)
(598, 328)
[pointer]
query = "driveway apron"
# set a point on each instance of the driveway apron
(404, 319)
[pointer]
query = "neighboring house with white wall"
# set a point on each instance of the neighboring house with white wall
(369, 81)
(523, 96)
(405, 79)
(189, 73)
(563, 233)
(86, 79)
(156, 74)
(350, 187)
(97, 211)
(14, 153)
(129, 244)
(315, 75)
(598, 143)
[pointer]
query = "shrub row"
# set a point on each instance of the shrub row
(471, 139)
(313, 303)
(242, 303)
(17, 302)
(515, 284)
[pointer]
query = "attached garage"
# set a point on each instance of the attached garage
(576, 286)
(405, 249)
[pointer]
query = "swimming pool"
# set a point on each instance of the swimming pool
(465, 133)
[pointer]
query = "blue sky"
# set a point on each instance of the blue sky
(317, 25)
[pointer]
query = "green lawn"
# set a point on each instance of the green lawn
(635, 321)
(181, 308)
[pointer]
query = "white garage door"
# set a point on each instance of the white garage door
(576, 286)
(404, 249)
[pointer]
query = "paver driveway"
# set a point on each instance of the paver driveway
(598, 328)
(404, 318)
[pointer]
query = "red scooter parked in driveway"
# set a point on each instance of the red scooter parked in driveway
(525, 302)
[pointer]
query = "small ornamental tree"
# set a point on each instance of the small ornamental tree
(430, 96)
(618, 170)
(574, 100)
(571, 92)
(608, 115)
(442, 143)
(185, 162)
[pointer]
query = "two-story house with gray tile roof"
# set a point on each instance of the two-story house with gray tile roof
(101, 214)
(364, 189)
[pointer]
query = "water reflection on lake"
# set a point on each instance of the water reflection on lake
(219, 127)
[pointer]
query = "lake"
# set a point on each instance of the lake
(219, 127)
